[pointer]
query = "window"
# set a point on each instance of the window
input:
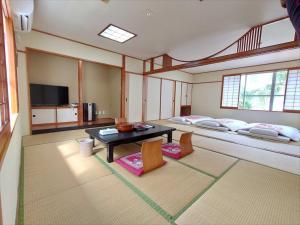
(10, 59)
(4, 105)
(230, 93)
(292, 95)
(117, 34)
(8, 80)
(268, 91)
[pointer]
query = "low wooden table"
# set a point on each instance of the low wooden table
(113, 140)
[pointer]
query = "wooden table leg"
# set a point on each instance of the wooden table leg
(110, 153)
(169, 136)
(93, 140)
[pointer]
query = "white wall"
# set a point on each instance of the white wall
(206, 98)
(53, 44)
(175, 75)
(53, 70)
(102, 85)
(24, 113)
(134, 65)
(9, 173)
(9, 177)
(115, 91)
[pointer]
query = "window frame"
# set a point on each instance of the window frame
(271, 104)
(7, 38)
(221, 102)
(288, 110)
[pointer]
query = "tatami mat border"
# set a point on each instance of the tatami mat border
(203, 192)
(52, 142)
(142, 195)
(208, 149)
(189, 166)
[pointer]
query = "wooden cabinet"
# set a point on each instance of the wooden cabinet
(53, 115)
(43, 116)
(65, 115)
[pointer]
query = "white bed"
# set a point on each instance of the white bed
(271, 131)
(223, 124)
(188, 120)
(279, 138)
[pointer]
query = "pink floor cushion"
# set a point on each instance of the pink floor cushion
(172, 150)
(133, 163)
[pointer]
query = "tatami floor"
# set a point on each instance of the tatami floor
(58, 186)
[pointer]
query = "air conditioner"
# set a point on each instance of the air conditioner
(22, 14)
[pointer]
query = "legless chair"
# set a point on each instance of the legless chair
(150, 158)
(152, 155)
(180, 150)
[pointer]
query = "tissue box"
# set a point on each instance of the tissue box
(108, 131)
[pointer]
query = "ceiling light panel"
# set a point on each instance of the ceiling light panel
(116, 34)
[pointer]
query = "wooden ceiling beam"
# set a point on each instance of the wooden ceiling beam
(235, 56)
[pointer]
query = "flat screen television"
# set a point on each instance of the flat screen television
(48, 95)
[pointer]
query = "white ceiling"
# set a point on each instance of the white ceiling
(287, 55)
(186, 29)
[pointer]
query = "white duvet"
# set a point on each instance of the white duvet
(193, 119)
(273, 130)
(231, 124)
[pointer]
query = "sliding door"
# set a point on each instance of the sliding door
(177, 98)
(153, 99)
(135, 98)
(167, 99)
(189, 94)
(183, 93)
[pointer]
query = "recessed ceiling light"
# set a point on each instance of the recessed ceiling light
(116, 34)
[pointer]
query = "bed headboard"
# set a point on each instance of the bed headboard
(185, 110)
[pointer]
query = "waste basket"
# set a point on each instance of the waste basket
(86, 147)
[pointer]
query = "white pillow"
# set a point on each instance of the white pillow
(232, 124)
(208, 123)
(287, 131)
(179, 119)
(263, 131)
(291, 132)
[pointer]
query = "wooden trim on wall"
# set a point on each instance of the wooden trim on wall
(219, 59)
(5, 138)
(208, 82)
(235, 68)
(167, 61)
(21, 51)
(123, 86)
(134, 73)
(80, 92)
